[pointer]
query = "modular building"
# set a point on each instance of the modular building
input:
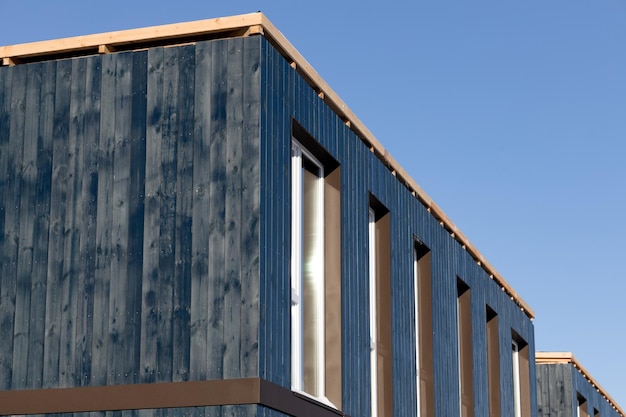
(192, 222)
(566, 389)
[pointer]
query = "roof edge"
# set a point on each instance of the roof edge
(245, 25)
(564, 358)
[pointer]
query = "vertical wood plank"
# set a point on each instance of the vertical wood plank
(184, 191)
(27, 204)
(167, 233)
(136, 192)
(200, 214)
(217, 199)
(233, 219)
(119, 343)
(73, 273)
(6, 201)
(8, 274)
(42, 226)
(56, 234)
(102, 275)
(88, 193)
(152, 223)
(250, 208)
(10, 238)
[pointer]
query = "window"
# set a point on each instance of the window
(423, 330)
(521, 376)
(315, 276)
(380, 310)
(596, 413)
(582, 406)
(493, 363)
(464, 319)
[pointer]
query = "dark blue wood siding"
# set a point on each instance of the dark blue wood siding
(129, 217)
(558, 386)
(286, 95)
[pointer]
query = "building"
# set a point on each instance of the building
(193, 223)
(566, 389)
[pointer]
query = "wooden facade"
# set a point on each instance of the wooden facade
(145, 205)
(564, 385)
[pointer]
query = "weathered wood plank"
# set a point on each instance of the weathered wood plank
(15, 106)
(152, 221)
(233, 218)
(27, 204)
(119, 344)
(89, 197)
(250, 208)
(5, 122)
(167, 233)
(73, 274)
(5, 204)
(217, 197)
(56, 234)
(136, 189)
(184, 191)
(42, 226)
(104, 224)
(201, 182)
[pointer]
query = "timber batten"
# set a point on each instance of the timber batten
(238, 26)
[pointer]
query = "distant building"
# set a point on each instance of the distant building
(193, 223)
(566, 389)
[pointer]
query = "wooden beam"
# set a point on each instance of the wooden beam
(106, 49)
(142, 35)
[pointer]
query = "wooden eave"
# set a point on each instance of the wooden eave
(564, 358)
(247, 25)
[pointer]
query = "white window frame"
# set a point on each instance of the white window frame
(417, 329)
(298, 154)
(373, 313)
(517, 400)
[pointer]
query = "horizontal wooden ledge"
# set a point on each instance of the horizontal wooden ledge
(250, 23)
(243, 391)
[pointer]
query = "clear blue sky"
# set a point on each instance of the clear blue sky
(510, 115)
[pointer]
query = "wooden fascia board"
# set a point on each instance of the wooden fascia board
(564, 358)
(125, 37)
(258, 23)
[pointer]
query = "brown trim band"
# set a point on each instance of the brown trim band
(162, 395)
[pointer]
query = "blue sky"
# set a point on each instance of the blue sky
(510, 115)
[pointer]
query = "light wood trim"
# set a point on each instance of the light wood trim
(123, 37)
(546, 358)
(258, 23)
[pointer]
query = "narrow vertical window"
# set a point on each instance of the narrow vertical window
(315, 271)
(582, 410)
(521, 376)
(596, 413)
(423, 330)
(307, 272)
(493, 363)
(517, 405)
(380, 310)
(464, 319)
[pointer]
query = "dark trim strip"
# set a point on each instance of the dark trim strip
(162, 395)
